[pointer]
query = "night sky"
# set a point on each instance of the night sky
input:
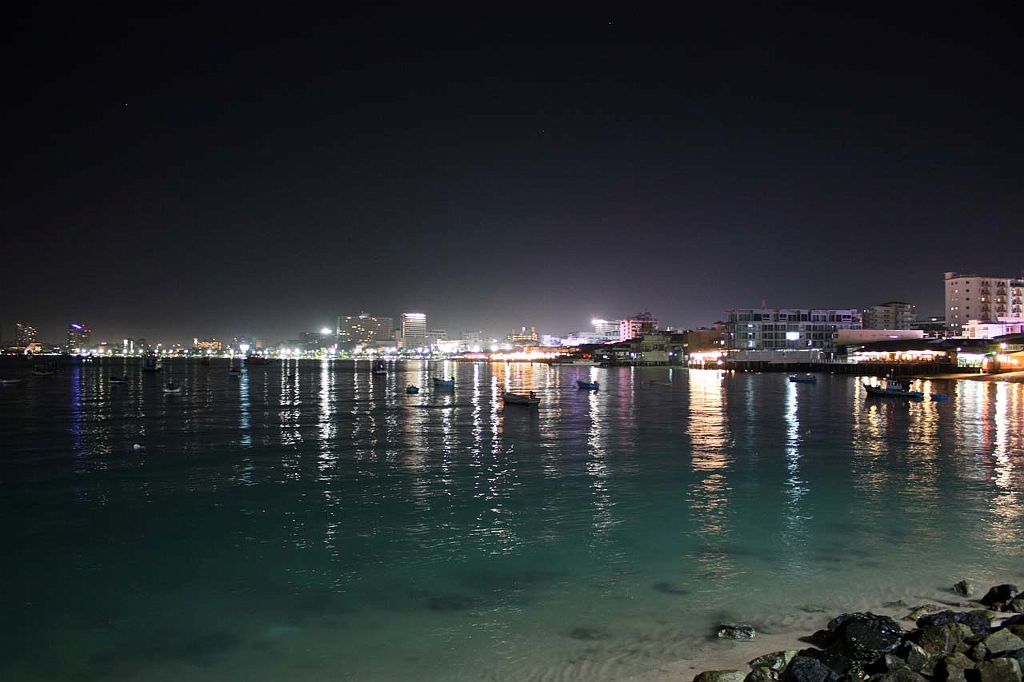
(193, 170)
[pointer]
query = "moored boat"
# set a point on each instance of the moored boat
(152, 363)
(588, 385)
(520, 399)
(412, 390)
(806, 379)
(440, 382)
(172, 387)
(118, 379)
(380, 367)
(891, 387)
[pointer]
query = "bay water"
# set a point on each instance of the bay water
(309, 520)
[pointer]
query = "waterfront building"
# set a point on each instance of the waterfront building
(890, 315)
(981, 329)
(523, 337)
(638, 325)
(24, 335)
(981, 297)
(778, 329)
(78, 339)
(364, 329)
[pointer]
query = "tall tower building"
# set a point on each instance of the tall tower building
(414, 325)
(24, 335)
(354, 330)
(79, 338)
(981, 297)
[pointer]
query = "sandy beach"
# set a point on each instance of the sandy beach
(1009, 377)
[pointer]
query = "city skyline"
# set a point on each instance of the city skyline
(210, 170)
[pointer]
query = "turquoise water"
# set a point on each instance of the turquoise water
(309, 521)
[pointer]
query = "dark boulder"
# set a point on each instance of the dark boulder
(977, 622)
(865, 637)
(806, 669)
(1000, 594)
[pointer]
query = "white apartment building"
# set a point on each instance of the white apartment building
(788, 328)
(981, 297)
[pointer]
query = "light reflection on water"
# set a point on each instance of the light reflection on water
(316, 501)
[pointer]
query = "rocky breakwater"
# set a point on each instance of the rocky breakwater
(984, 643)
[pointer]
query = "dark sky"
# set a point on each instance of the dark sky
(176, 170)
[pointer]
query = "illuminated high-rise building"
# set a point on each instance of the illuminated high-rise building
(24, 335)
(355, 330)
(414, 325)
(982, 298)
(78, 339)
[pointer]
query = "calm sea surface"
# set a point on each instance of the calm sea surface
(310, 521)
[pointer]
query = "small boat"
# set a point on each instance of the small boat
(520, 399)
(412, 390)
(152, 363)
(258, 360)
(380, 367)
(938, 396)
(7, 381)
(806, 379)
(588, 385)
(235, 371)
(172, 387)
(45, 370)
(205, 362)
(444, 383)
(892, 387)
(115, 379)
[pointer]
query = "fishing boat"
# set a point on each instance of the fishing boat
(588, 385)
(380, 367)
(44, 370)
(806, 379)
(412, 390)
(251, 360)
(891, 387)
(440, 382)
(172, 387)
(520, 399)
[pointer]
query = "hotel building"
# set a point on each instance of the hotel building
(981, 297)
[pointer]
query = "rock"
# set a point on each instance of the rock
(964, 588)
(1000, 594)
(1000, 641)
(807, 669)
(901, 675)
(777, 660)
(953, 668)
(918, 659)
(762, 674)
(865, 636)
(975, 620)
(1016, 654)
(733, 631)
(999, 670)
(720, 676)
(940, 640)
